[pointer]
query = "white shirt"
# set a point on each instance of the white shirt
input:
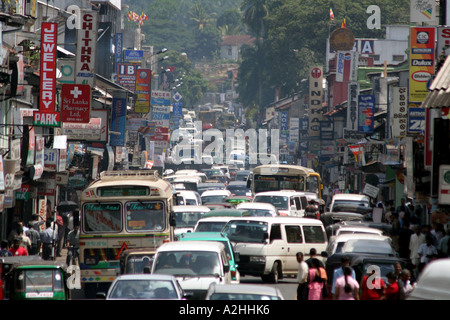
(414, 244)
(426, 251)
(302, 273)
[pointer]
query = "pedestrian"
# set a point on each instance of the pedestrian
(395, 230)
(61, 233)
(311, 209)
(426, 229)
(405, 286)
(302, 277)
(73, 244)
(25, 240)
(438, 231)
(4, 249)
(317, 279)
(17, 249)
(427, 251)
(414, 243)
(404, 215)
(15, 232)
(404, 237)
(313, 255)
(36, 223)
(339, 272)
(398, 269)
(372, 286)
(325, 195)
(35, 238)
(346, 287)
(48, 238)
(444, 245)
(392, 291)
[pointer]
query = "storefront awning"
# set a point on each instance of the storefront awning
(439, 91)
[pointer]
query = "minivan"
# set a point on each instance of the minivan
(267, 246)
(288, 203)
(195, 264)
(222, 238)
(350, 202)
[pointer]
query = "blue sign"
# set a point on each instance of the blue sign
(160, 102)
(160, 116)
(177, 112)
(366, 107)
(416, 119)
(118, 121)
(133, 55)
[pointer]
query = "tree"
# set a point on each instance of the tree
(200, 17)
(255, 11)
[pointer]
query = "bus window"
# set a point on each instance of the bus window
(102, 217)
(148, 215)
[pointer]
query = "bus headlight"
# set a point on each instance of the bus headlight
(258, 259)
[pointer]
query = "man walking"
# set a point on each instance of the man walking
(48, 238)
(302, 278)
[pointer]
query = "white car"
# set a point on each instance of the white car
(349, 202)
(186, 217)
(214, 196)
(336, 244)
(145, 287)
(188, 197)
(258, 209)
(243, 292)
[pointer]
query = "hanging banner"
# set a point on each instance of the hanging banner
(143, 82)
(366, 107)
(118, 116)
(315, 100)
(422, 62)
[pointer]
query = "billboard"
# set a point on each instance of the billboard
(86, 48)
(143, 82)
(422, 61)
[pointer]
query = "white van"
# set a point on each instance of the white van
(288, 203)
(267, 246)
(195, 264)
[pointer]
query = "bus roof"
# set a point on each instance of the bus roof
(268, 169)
(129, 178)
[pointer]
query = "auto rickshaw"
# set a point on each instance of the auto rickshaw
(31, 278)
(137, 261)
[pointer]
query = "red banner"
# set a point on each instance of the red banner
(76, 103)
(49, 35)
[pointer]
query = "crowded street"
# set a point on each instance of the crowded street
(224, 150)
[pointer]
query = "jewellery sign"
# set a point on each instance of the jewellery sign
(86, 48)
(46, 116)
(76, 103)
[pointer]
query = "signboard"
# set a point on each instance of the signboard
(315, 100)
(46, 116)
(371, 191)
(422, 11)
(67, 70)
(444, 185)
(75, 103)
(118, 116)
(366, 107)
(86, 48)
(119, 48)
(294, 131)
(352, 106)
(133, 55)
(422, 55)
(416, 118)
(91, 131)
(126, 75)
(143, 81)
(398, 118)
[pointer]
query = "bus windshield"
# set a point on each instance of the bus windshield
(145, 216)
(102, 217)
(278, 182)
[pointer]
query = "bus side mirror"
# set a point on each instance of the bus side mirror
(249, 183)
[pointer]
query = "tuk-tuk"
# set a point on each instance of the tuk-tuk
(31, 278)
(137, 261)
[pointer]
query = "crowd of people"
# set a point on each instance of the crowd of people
(32, 239)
